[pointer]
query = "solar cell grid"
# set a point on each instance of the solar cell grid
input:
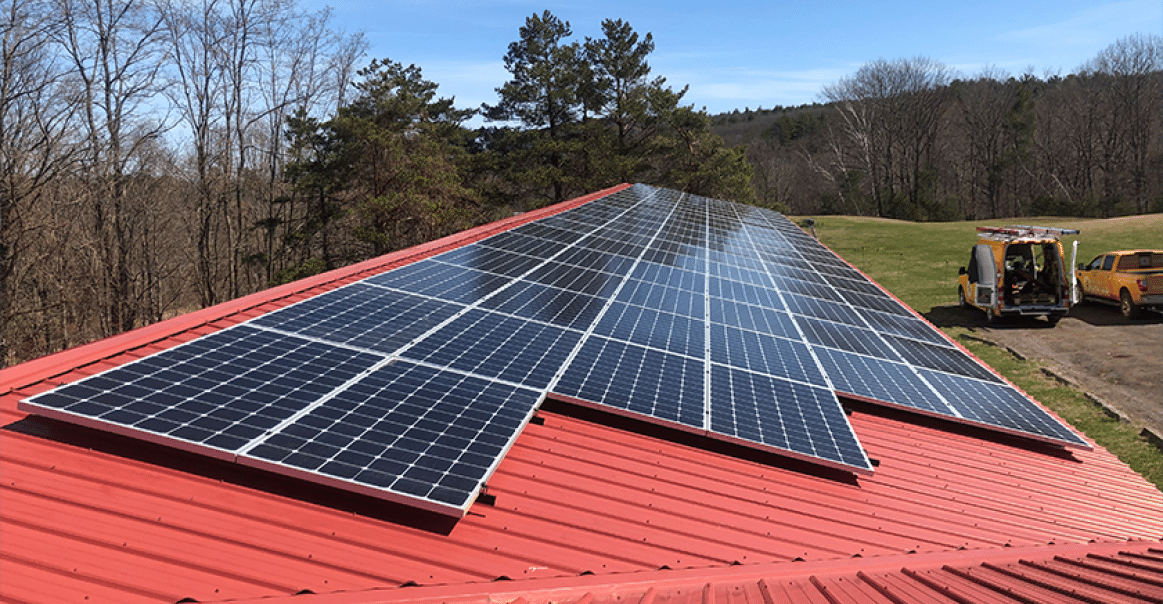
(444, 281)
(909, 327)
(845, 337)
(523, 244)
(771, 356)
(498, 346)
(612, 246)
(649, 327)
(548, 304)
(616, 374)
(947, 359)
(491, 260)
(681, 259)
(880, 380)
(576, 279)
(753, 318)
(749, 263)
(821, 309)
(833, 270)
(372, 435)
(670, 276)
(545, 231)
(596, 260)
(682, 233)
(363, 316)
(629, 234)
(744, 292)
(242, 373)
(736, 273)
(664, 298)
(786, 259)
(875, 302)
(998, 405)
(571, 222)
(816, 252)
(804, 420)
(807, 288)
(863, 287)
(779, 270)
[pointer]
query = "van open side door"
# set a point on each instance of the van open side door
(984, 277)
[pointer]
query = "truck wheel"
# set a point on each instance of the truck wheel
(961, 301)
(1127, 305)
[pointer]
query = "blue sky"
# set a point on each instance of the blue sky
(737, 54)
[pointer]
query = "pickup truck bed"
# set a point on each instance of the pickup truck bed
(1133, 279)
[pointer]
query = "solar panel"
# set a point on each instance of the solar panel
(216, 393)
(788, 416)
(411, 430)
(718, 319)
(498, 346)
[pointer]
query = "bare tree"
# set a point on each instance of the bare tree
(196, 31)
(115, 51)
(891, 113)
(239, 68)
(1128, 74)
(35, 151)
(997, 122)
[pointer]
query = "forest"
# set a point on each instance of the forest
(912, 139)
(166, 155)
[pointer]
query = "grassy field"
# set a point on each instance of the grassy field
(918, 263)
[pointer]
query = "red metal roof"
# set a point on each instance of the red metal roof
(588, 507)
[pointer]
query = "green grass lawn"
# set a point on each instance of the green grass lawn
(918, 263)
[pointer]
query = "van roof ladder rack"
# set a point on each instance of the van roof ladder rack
(1018, 230)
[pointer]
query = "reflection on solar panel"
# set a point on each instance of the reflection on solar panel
(699, 314)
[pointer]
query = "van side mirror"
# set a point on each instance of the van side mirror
(1081, 267)
(962, 271)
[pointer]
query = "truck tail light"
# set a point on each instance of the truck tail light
(1142, 283)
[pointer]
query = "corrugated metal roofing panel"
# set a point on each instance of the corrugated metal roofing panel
(959, 576)
(579, 493)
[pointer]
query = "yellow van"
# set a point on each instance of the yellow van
(1017, 271)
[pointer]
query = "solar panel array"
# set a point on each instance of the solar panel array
(700, 314)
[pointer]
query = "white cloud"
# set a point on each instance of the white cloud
(1097, 25)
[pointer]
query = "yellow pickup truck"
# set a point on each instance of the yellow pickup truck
(1133, 279)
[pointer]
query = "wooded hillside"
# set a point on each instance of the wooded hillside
(911, 139)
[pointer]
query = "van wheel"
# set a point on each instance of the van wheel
(961, 301)
(1127, 305)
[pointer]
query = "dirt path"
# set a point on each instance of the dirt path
(1117, 361)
